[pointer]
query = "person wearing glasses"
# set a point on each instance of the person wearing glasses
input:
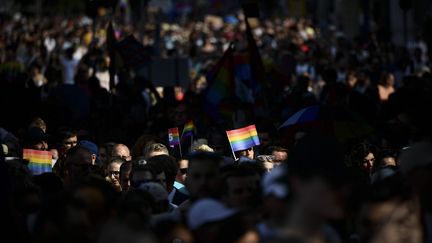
(113, 169)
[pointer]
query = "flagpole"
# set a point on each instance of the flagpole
(191, 143)
(181, 155)
(235, 158)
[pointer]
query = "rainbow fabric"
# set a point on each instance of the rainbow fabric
(188, 129)
(243, 138)
(39, 161)
(173, 137)
(220, 79)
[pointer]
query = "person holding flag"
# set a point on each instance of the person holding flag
(242, 141)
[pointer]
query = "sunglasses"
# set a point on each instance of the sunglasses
(114, 172)
(183, 170)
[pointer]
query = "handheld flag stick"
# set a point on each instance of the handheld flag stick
(232, 150)
(181, 155)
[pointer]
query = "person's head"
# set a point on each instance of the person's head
(105, 151)
(362, 156)
(122, 151)
(125, 170)
(77, 164)
(389, 212)
(280, 154)
(203, 178)
(38, 122)
(182, 170)
(93, 148)
(66, 138)
(138, 149)
(35, 138)
(241, 186)
(317, 177)
(113, 169)
(387, 79)
(168, 166)
(154, 149)
(159, 194)
(247, 153)
(141, 172)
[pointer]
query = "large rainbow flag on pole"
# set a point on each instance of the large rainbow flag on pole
(221, 88)
(39, 161)
(243, 138)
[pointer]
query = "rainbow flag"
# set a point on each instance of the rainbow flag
(173, 137)
(243, 138)
(39, 161)
(221, 84)
(188, 129)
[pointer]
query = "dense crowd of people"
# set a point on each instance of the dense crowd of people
(359, 170)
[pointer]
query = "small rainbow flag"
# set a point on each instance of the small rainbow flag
(40, 161)
(173, 137)
(243, 138)
(188, 129)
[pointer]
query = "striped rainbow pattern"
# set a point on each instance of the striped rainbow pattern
(40, 161)
(173, 136)
(188, 129)
(243, 138)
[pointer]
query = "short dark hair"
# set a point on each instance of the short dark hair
(167, 164)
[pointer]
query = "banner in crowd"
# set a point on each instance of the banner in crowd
(173, 137)
(39, 161)
(243, 138)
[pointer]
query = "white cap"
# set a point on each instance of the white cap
(415, 156)
(207, 210)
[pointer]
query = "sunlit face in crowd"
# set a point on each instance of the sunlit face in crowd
(182, 172)
(248, 153)
(279, 156)
(69, 142)
(121, 151)
(114, 174)
(368, 162)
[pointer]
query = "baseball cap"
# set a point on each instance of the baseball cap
(92, 147)
(208, 210)
(418, 155)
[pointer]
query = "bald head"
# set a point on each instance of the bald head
(121, 150)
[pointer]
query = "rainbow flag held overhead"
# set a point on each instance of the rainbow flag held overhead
(39, 161)
(173, 137)
(243, 138)
(188, 129)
